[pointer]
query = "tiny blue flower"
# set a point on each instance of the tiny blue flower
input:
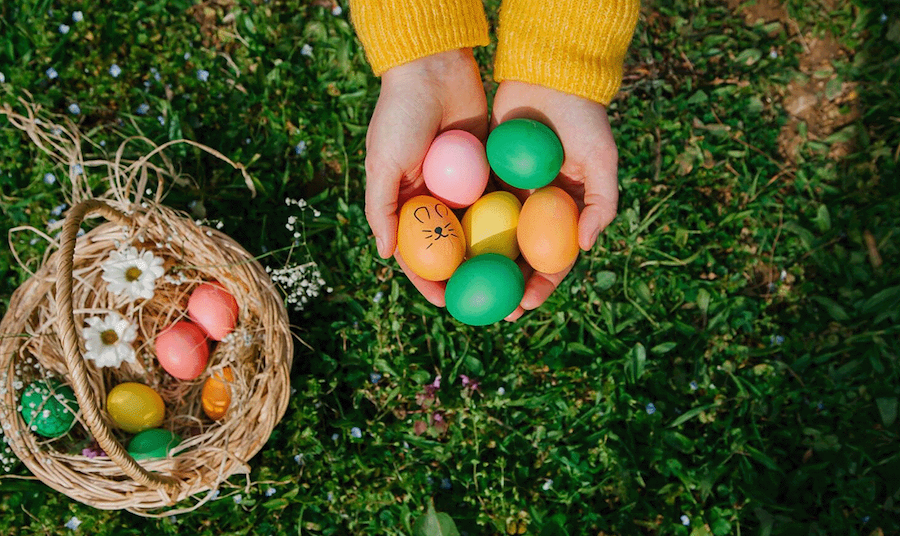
(72, 523)
(821, 406)
(270, 492)
(49, 178)
(306, 50)
(883, 18)
(378, 296)
(446, 484)
(299, 459)
(375, 377)
(694, 386)
(337, 11)
(334, 436)
(214, 495)
(2, 78)
(867, 518)
(547, 485)
(102, 143)
(773, 54)
(247, 141)
(685, 520)
(356, 432)
(115, 70)
(237, 499)
(776, 340)
(78, 170)
(74, 109)
(77, 16)
(142, 109)
(58, 209)
(330, 496)
(147, 84)
(651, 409)
(63, 29)
(300, 148)
(187, 56)
(202, 75)
(501, 391)
(51, 73)
(161, 119)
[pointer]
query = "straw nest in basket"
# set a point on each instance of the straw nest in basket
(42, 336)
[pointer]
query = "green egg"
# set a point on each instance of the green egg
(524, 153)
(153, 443)
(49, 407)
(484, 289)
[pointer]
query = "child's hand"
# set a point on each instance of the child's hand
(418, 100)
(588, 174)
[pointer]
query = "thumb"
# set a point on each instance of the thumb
(382, 191)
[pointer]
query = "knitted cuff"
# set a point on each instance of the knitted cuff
(393, 33)
(574, 46)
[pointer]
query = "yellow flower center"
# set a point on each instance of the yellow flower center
(109, 337)
(132, 274)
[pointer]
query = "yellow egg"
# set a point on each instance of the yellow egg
(548, 230)
(216, 394)
(490, 225)
(430, 238)
(135, 407)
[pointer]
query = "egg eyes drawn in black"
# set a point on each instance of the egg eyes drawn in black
(444, 228)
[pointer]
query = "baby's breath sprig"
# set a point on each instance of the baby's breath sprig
(301, 280)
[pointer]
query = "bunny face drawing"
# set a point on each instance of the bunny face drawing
(430, 238)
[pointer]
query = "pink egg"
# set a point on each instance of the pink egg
(456, 168)
(213, 309)
(182, 350)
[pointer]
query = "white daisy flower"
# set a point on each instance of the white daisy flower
(108, 340)
(133, 272)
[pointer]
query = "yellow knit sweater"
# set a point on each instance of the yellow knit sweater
(575, 46)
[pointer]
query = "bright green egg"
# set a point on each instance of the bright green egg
(153, 443)
(49, 407)
(484, 289)
(524, 153)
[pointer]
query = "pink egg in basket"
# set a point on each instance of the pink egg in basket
(213, 309)
(456, 169)
(182, 350)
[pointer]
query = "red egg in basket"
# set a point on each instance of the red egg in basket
(213, 309)
(182, 350)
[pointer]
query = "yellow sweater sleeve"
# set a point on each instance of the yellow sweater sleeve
(575, 46)
(393, 33)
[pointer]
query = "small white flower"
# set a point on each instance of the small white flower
(2, 78)
(187, 56)
(237, 499)
(685, 520)
(161, 119)
(356, 432)
(501, 391)
(270, 492)
(337, 11)
(72, 524)
(77, 169)
(300, 148)
(202, 75)
(306, 50)
(547, 485)
(63, 29)
(133, 272)
(143, 109)
(115, 70)
(773, 53)
(74, 109)
(77, 16)
(51, 73)
(108, 340)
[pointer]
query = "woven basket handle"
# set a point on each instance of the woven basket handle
(75, 364)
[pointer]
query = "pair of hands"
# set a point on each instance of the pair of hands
(425, 97)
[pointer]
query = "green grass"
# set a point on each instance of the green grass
(735, 292)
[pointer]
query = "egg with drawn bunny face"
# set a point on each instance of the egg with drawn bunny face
(430, 238)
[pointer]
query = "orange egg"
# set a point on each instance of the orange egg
(548, 230)
(430, 238)
(216, 394)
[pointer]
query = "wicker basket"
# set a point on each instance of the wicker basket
(40, 337)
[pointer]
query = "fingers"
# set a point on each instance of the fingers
(538, 287)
